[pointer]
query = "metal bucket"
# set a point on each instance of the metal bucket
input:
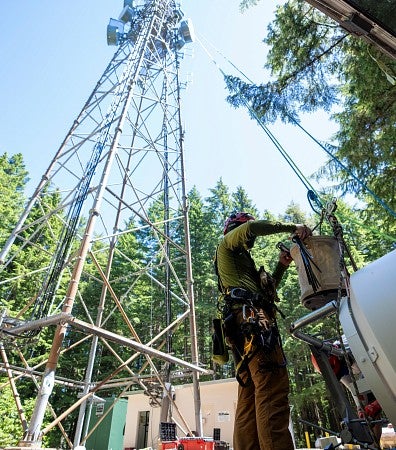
(326, 256)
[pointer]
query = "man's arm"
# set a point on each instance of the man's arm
(238, 237)
(265, 227)
(284, 261)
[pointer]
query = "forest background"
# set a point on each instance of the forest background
(315, 65)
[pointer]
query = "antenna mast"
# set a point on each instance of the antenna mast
(108, 234)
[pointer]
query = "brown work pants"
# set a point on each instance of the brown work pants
(262, 414)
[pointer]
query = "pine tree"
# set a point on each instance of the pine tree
(315, 65)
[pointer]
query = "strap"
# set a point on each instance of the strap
(243, 365)
(220, 286)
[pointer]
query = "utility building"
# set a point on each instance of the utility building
(218, 400)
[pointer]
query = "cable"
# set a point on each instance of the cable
(273, 139)
(376, 198)
(294, 121)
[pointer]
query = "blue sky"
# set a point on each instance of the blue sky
(53, 53)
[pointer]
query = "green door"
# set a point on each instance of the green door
(109, 435)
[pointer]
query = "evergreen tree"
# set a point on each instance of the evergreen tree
(10, 423)
(143, 300)
(13, 179)
(203, 242)
(241, 202)
(315, 65)
(219, 204)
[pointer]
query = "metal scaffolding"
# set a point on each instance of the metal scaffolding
(115, 186)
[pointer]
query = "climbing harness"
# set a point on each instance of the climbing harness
(250, 327)
(247, 324)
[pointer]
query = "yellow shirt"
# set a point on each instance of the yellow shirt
(236, 267)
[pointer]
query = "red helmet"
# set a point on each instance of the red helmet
(235, 220)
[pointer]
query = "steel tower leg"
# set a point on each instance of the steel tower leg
(100, 200)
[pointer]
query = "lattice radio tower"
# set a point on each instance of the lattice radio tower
(115, 186)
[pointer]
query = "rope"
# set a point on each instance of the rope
(294, 121)
(271, 136)
(364, 186)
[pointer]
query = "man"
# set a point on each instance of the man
(262, 414)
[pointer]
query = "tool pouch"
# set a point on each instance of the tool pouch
(220, 350)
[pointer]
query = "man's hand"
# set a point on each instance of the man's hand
(302, 231)
(285, 258)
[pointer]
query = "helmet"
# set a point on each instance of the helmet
(235, 220)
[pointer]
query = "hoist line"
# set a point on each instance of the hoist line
(312, 195)
(291, 163)
(362, 184)
(273, 139)
(295, 122)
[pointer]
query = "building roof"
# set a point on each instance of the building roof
(369, 19)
